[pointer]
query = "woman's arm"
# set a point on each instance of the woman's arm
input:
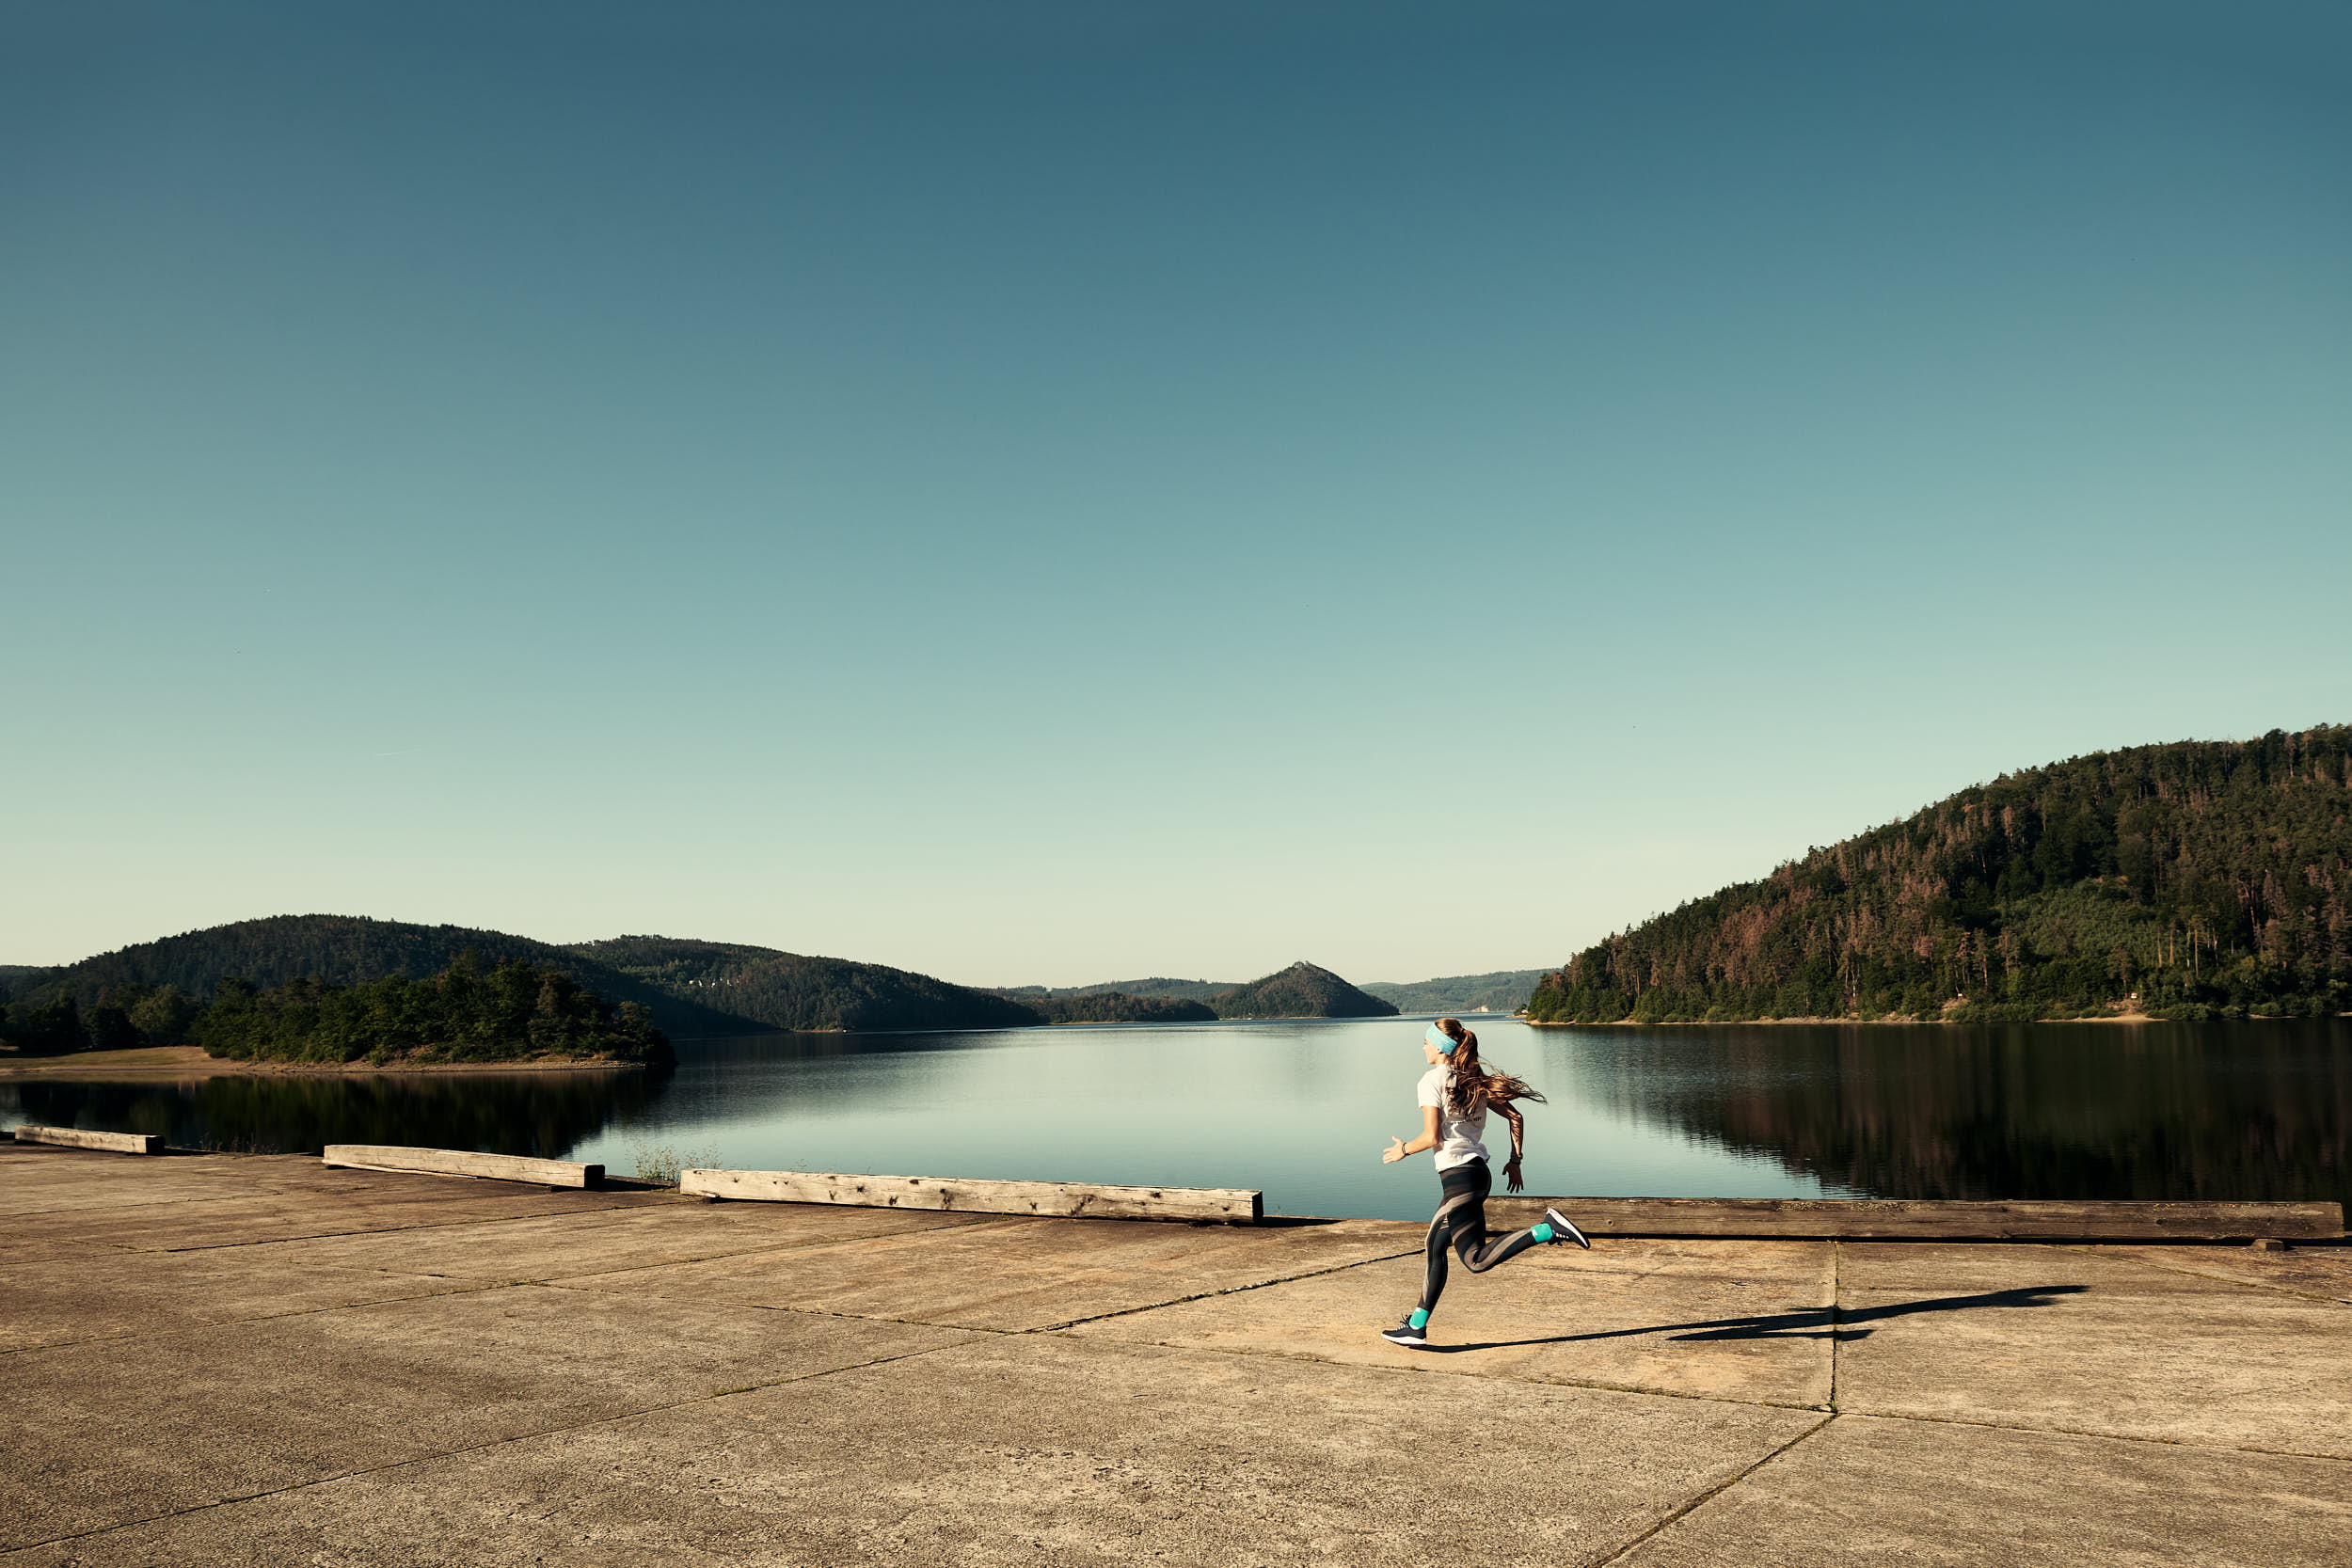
(1398, 1148)
(1510, 1112)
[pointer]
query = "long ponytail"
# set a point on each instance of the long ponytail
(1470, 1087)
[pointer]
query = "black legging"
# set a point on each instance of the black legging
(1461, 1223)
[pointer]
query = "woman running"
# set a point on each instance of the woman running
(1455, 1094)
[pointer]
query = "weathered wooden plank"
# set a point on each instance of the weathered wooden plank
(77, 1137)
(462, 1162)
(972, 1194)
(1931, 1219)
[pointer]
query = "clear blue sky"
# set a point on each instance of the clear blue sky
(1057, 492)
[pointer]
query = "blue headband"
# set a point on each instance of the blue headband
(1445, 1043)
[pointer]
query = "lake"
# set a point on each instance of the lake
(2255, 1110)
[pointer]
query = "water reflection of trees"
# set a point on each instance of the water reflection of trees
(2217, 1111)
(760, 1077)
(2208, 1110)
(543, 1113)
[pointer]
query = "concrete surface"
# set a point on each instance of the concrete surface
(2300, 1271)
(2088, 1343)
(1868, 1491)
(1745, 1321)
(541, 1247)
(247, 1360)
(1011, 1275)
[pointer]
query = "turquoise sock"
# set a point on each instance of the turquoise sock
(1420, 1319)
(1544, 1233)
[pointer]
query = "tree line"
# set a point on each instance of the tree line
(340, 950)
(122, 1016)
(1118, 1006)
(468, 1012)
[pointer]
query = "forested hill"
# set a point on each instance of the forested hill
(1500, 991)
(343, 950)
(789, 990)
(2204, 877)
(1302, 990)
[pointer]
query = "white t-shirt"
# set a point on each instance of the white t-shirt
(1459, 1137)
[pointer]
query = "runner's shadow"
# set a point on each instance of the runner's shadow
(1822, 1323)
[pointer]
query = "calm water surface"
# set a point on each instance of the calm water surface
(1301, 1110)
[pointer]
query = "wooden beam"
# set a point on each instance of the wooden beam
(77, 1138)
(1924, 1219)
(971, 1194)
(462, 1162)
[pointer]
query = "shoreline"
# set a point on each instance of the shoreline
(1750, 1023)
(189, 1061)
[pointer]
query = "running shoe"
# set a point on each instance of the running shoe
(1564, 1228)
(1406, 1335)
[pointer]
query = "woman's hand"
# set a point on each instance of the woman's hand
(1398, 1149)
(1511, 1177)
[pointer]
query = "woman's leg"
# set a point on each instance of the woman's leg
(1464, 1204)
(1478, 1253)
(1460, 1227)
